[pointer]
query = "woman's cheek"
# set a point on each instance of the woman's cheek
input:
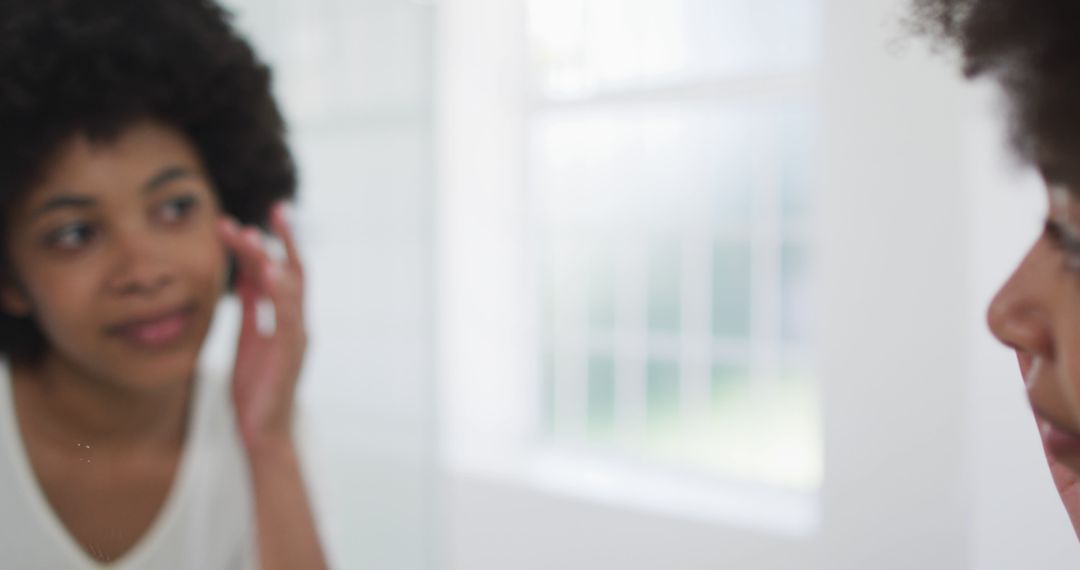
(1067, 353)
(205, 256)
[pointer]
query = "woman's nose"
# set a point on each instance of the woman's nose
(142, 265)
(1020, 314)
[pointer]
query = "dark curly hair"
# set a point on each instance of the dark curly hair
(1032, 49)
(95, 67)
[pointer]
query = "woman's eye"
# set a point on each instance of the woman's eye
(1067, 242)
(178, 208)
(71, 236)
(1072, 256)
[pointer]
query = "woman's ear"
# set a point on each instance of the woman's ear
(13, 301)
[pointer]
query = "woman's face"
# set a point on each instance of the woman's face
(1037, 312)
(116, 257)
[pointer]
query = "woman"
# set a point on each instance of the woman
(1032, 49)
(140, 150)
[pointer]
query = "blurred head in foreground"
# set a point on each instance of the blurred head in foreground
(1031, 48)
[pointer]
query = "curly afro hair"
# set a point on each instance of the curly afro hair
(1032, 49)
(95, 67)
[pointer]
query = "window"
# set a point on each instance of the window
(670, 173)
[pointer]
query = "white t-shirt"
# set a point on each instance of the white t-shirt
(206, 523)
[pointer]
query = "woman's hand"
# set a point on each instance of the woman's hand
(267, 362)
(264, 386)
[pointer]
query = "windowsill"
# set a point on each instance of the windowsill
(650, 490)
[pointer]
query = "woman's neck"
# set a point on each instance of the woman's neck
(69, 404)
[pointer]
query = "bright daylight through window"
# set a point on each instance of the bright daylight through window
(670, 169)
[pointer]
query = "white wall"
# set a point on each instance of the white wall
(895, 284)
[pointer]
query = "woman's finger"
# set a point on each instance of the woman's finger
(270, 280)
(288, 297)
(279, 221)
(251, 255)
(284, 293)
(253, 286)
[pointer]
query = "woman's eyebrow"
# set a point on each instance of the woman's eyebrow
(165, 176)
(63, 201)
(157, 181)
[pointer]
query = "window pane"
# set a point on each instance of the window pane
(601, 403)
(663, 390)
(601, 274)
(796, 134)
(664, 305)
(728, 173)
(563, 283)
(737, 36)
(586, 46)
(762, 429)
(627, 168)
(731, 290)
(795, 300)
(653, 168)
(727, 381)
(547, 391)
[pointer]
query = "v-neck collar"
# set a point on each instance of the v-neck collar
(50, 522)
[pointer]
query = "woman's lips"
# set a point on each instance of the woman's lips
(1061, 442)
(155, 332)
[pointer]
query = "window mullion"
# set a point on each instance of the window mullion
(766, 238)
(631, 327)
